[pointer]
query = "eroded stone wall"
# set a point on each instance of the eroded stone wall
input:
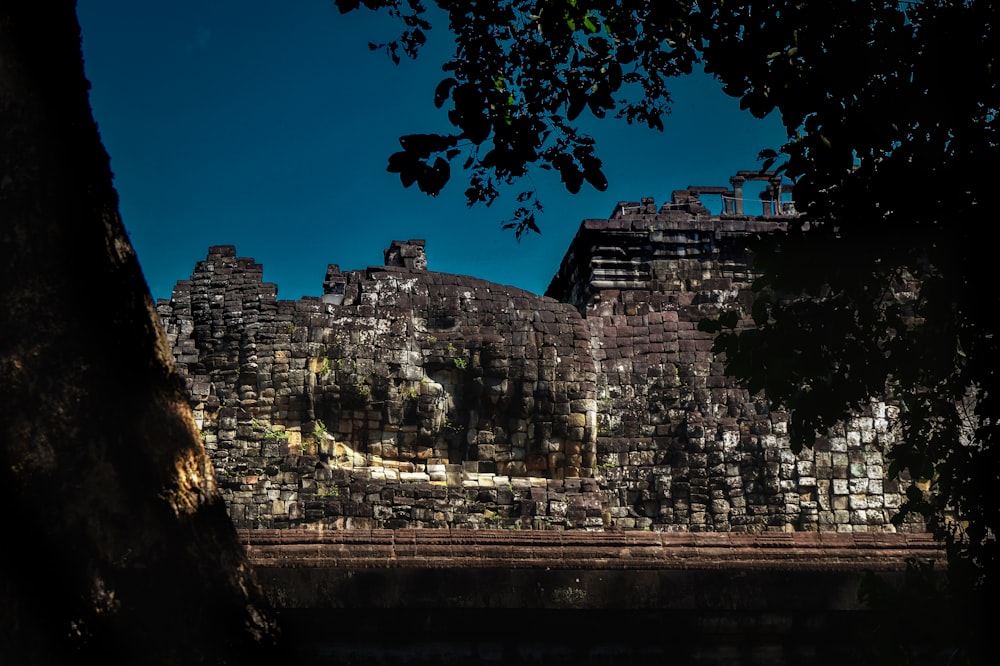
(408, 398)
(398, 376)
(678, 443)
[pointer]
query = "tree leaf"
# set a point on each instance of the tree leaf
(596, 178)
(347, 5)
(443, 91)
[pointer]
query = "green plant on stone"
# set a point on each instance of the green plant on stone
(461, 363)
(269, 432)
(319, 429)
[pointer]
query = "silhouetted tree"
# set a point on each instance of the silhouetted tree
(118, 548)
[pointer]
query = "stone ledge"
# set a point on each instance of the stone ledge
(445, 549)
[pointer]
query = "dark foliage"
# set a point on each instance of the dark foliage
(881, 287)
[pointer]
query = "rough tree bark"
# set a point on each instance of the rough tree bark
(118, 545)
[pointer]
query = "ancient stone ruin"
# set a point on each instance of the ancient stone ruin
(404, 397)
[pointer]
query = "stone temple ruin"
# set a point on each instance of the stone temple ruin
(404, 397)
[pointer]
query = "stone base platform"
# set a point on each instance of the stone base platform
(470, 597)
(589, 551)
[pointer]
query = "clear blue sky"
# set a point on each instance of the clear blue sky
(267, 126)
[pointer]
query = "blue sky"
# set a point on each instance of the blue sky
(268, 125)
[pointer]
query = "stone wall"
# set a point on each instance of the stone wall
(678, 442)
(405, 397)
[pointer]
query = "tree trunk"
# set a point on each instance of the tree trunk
(118, 544)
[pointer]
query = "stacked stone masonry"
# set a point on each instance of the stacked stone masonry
(407, 398)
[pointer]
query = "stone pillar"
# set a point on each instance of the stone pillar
(775, 189)
(766, 203)
(737, 183)
(728, 199)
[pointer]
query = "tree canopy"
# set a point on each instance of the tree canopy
(880, 287)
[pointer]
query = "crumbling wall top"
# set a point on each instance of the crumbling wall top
(687, 201)
(407, 254)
